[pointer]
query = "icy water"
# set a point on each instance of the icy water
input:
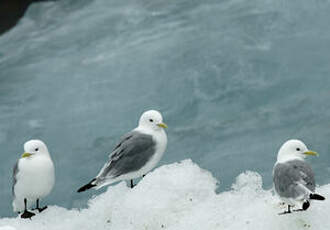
(234, 79)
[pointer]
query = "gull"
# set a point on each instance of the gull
(293, 178)
(137, 152)
(33, 178)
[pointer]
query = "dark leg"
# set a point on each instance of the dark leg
(289, 211)
(305, 206)
(38, 208)
(143, 175)
(26, 214)
(132, 185)
(286, 212)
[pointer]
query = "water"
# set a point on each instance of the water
(234, 79)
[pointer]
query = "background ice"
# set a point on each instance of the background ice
(181, 196)
(234, 79)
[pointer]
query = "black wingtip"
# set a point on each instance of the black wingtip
(87, 186)
(316, 197)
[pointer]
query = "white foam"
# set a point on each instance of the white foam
(181, 196)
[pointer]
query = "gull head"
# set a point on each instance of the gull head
(152, 119)
(293, 150)
(33, 148)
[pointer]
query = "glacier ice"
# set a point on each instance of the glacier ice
(181, 196)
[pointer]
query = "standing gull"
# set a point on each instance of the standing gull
(136, 154)
(293, 178)
(33, 176)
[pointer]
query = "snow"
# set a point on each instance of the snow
(181, 196)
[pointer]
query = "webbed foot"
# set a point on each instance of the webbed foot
(26, 214)
(41, 209)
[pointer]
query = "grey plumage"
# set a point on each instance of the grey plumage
(132, 153)
(137, 153)
(293, 179)
(15, 171)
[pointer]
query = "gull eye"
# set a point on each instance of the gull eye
(151, 120)
(298, 149)
(37, 149)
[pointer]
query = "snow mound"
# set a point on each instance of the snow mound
(180, 196)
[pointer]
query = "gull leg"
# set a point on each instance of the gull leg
(26, 214)
(132, 185)
(305, 206)
(286, 212)
(38, 208)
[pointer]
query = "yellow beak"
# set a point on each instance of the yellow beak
(311, 153)
(26, 155)
(162, 125)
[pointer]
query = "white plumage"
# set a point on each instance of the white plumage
(34, 175)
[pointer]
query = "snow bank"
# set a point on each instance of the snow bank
(180, 196)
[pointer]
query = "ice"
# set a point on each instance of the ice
(7, 228)
(181, 196)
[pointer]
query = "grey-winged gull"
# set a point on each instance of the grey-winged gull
(136, 154)
(293, 178)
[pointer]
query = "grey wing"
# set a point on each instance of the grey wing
(131, 154)
(293, 179)
(15, 171)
